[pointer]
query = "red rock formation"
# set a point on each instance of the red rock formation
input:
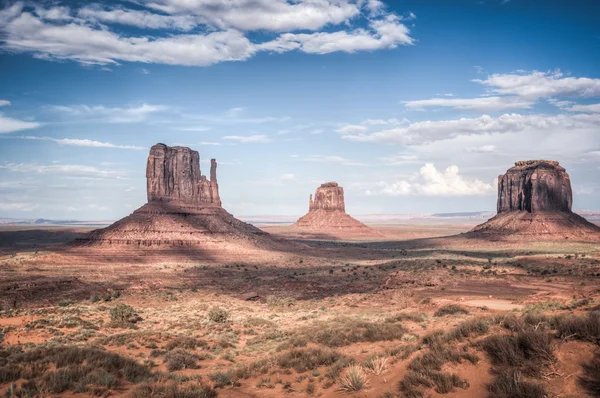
(183, 210)
(535, 185)
(327, 213)
(534, 201)
(173, 175)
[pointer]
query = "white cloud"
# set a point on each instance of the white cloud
(401, 158)
(83, 143)
(352, 129)
(383, 122)
(191, 128)
(482, 104)
(383, 34)
(592, 108)
(72, 170)
(88, 39)
(430, 131)
(9, 125)
(537, 84)
(258, 138)
(273, 15)
(13, 206)
(210, 143)
(483, 149)
(141, 19)
(287, 177)
(432, 182)
(331, 159)
(112, 115)
(4, 103)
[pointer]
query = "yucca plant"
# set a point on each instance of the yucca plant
(354, 379)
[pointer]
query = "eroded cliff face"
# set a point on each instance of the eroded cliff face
(535, 186)
(173, 175)
(329, 196)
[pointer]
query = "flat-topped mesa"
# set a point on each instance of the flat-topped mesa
(329, 196)
(535, 186)
(173, 175)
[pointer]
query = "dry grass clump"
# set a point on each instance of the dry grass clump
(218, 315)
(341, 332)
(179, 359)
(303, 359)
(408, 316)
(186, 342)
(529, 350)
(59, 369)
(510, 384)
(590, 380)
(451, 309)
(585, 327)
(413, 383)
(377, 364)
(471, 327)
(172, 389)
(224, 379)
(354, 379)
(425, 371)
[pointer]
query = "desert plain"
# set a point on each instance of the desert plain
(419, 311)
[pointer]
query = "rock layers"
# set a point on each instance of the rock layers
(534, 200)
(327, 213)
(183, 211)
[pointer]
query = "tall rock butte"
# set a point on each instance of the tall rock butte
(184, 211)
(327, 212)
(173, 175)
(535, 200)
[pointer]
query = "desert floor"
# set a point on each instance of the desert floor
(418, 311)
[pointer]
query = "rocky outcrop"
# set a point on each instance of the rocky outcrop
(534, 202)
(329, 196)
(173, 175)
(533, 186)
(327, 213)
(183, 211)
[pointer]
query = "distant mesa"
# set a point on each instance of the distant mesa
(327, 212)
(535, 200)
(183, 210)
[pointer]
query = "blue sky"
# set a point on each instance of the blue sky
(412, 106)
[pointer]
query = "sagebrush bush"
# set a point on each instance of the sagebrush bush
(179, 359)
(451, 309)
(590, 380)
(218, 315)
(123, 313)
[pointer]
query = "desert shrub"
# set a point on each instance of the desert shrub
(172, 389)
(303, 359)
(407, 316)
(179, 359)
(280, 302)
(123, 314)
(185, 342)
(223, 379)
(451, 309)
(345, 331)
(254, 322)
(528, 350)
(510, 384)
(470, 327)
(354, 379)
(413, 383)
(590, 380)
(218, 315)
(585, 327)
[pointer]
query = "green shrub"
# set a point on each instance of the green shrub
(123, 313)
(451, 309)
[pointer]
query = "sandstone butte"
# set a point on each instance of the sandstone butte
(183, 210)
(327, 212)
(534, 201)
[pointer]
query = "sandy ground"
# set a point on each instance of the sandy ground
(272, 296)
